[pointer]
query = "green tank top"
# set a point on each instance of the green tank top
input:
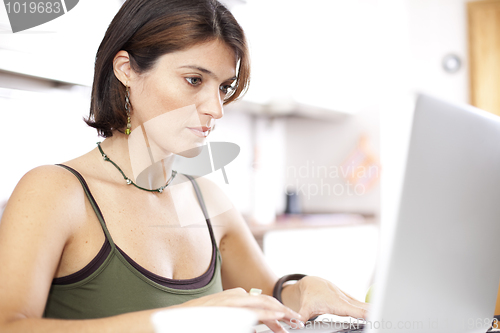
(112, 283)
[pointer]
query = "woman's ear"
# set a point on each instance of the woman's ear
(121, 67)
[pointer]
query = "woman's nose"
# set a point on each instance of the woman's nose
(212, 106)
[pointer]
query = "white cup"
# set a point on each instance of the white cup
(209, 319)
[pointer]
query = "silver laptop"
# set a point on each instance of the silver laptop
(442, 270)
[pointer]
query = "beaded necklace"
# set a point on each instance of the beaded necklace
(129, 181)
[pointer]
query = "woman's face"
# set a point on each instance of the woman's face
(185, 90)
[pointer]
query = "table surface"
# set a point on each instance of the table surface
(307, 221)
(295, 221)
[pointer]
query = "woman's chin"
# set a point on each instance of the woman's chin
(193, 151)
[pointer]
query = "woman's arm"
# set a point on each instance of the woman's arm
(244, 264)
(37, 222)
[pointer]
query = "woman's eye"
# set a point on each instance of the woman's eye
(226, 88)
(194, 81)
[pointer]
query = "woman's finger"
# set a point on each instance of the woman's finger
(294, 323)
(350, 306)
(308, 313)
(354, 302)
(351, 310)
(267, 303)
(359, 312)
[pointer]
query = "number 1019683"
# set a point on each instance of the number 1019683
(33, 7)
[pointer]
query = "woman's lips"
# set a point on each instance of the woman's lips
(202, 132)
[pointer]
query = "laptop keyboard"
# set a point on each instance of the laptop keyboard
(359, 328)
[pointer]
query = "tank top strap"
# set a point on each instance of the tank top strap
(203, 207)
(92, 201)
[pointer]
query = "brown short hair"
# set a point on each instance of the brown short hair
(148, 29)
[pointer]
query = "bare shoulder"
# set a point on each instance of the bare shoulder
(47, 182)
(49, 192)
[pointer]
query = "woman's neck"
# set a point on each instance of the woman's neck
(137, 161)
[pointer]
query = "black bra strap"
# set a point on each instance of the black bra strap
(203, 207)
(92, 201)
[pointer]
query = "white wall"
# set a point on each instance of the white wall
(42, 124)
(62, 49)
(316, 52)
(438, 28)
(415, 36)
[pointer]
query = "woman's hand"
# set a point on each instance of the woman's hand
(267, 308)
(312, 296)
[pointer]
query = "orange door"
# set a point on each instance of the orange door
(497, 308)
(484, 54)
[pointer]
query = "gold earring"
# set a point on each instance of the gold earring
(127, 109)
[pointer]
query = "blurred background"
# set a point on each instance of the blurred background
(323, 129)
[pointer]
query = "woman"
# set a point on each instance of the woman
(78, 241)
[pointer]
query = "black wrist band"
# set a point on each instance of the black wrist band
(279, 285)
